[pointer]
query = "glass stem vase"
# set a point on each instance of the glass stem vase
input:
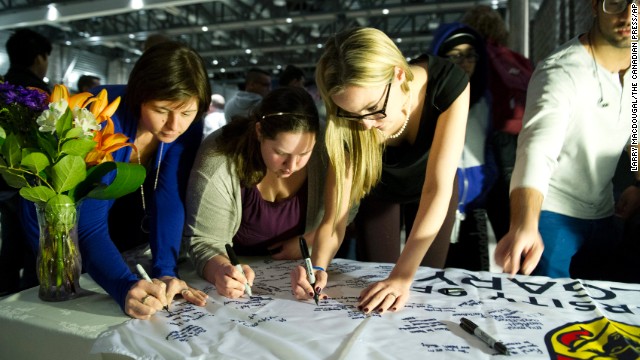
(58, 264)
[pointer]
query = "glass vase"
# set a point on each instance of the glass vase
(59, 263)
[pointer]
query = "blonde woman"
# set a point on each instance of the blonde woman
(385, 118)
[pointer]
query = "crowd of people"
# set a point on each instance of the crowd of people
(397, 148)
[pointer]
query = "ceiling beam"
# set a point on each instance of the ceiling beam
(81, 10)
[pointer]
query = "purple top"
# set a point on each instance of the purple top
(264, 223)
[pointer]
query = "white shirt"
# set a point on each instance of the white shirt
(570, 145)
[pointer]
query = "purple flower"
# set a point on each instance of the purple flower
(34, 99)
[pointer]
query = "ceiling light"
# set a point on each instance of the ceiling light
(214, 62)
(204, 28)
(385, 11)
(247, 51)
(136, 4)
(279, 3)
(289, 20)
(52, 12)
(132, 36)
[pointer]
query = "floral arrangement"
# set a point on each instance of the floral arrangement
(54, 149)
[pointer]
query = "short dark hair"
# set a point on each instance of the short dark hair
(254, 74)
(86, 81)
(290, 73)
(169, 71)
(24, 45)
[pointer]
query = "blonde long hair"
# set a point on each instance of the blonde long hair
(364, 57)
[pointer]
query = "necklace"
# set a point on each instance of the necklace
(144, 224)
(406, 121)
(601, 101)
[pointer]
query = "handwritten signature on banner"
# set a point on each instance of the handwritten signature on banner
(535, 317)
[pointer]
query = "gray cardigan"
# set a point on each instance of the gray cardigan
(214, 204)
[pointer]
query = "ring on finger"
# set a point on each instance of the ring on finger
(144, 299)
(184, 291)
(392, 294)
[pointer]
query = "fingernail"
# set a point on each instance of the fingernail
(359, 308)
(311, 294)
(318, 289)
(380, 311)
(366, 309)
(394, 309)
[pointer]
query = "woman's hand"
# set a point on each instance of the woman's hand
(228, 280)
(300, 286)
(177, 286)
(389, 294)
(145, 299)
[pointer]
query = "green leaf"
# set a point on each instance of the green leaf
(73, 133)
(64, 123)
(128, 178)
(14, 178)
(34, 161)
(79, 147)
(3, 135)
(48, 143)
(12, 151)
(37, 194)
(68, 172)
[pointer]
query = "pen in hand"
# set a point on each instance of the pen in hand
(470, 327)
(234, 261)
(307, 263)
(147, 278)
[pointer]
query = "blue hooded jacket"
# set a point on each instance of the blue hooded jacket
(477, 171)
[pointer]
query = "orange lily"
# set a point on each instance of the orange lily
(107, 143)
(100, 107)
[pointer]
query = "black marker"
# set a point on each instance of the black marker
(234, 261)
(470, 327)
(453, 291)
(307, 262)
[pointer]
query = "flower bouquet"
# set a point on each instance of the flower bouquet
(55, 151)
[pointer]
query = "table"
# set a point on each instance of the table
(33, 329)
(533, 316)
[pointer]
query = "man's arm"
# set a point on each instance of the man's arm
(521, 248)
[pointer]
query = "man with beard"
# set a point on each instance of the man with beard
(576, 123)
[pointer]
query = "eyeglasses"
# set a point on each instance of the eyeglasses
(615, 7)
(376, 115)
(459, 58)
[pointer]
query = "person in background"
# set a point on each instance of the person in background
(28, 54)
(215, 118)
(257, 84)
(87, 82)
(385, 119)
(167, 92)
(257, 184)
(509, 75)
(576, 124)
(292, 76)
(477, 171)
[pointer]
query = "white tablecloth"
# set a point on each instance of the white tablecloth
(33, 329)
(535, 317)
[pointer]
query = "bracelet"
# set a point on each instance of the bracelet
(319, 268)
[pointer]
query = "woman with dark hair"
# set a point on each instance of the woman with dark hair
(257, 183)
(167, 93)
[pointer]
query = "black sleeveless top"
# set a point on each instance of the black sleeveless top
(404, 166)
